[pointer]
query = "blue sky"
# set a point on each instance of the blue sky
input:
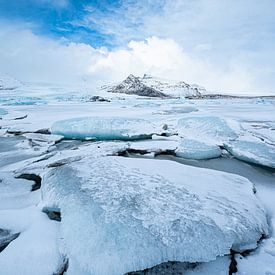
(234, 37)
(54, 18)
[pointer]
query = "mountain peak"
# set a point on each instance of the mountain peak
(134, 85)
(151, 86)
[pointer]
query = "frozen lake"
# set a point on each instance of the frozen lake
(168, 186)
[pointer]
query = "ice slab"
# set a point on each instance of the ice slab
(35, 251)
(15, 193)
(104, 128)
(122, 214)
(253, 151)
(192, 149)
(259, 262)
(210, 128)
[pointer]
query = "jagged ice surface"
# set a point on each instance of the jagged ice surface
(121, 214)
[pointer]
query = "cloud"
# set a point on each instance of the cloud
(34, 58)
(30, 57)
(166, 58)
(234, 39)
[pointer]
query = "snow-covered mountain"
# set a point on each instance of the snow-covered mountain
(157, 87)
(135, 85)
(8, 83)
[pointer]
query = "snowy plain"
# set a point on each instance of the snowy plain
(167, 186)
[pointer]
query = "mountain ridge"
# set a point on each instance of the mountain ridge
(150, 86)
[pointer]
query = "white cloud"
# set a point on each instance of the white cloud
(34, 58)
(166, 58)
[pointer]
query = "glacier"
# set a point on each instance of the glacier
(104, 128)
(121, 215)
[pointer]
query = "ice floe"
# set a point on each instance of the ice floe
(122, 214)
(205, 128)
(104, 128)
(253, 151)
(193, 149)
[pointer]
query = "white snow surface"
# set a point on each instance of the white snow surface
(173, 87)
(121, 214)
(246, 125)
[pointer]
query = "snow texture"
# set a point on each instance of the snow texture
(192, 149)
(205, 128)
(121, 215)
(254, 152)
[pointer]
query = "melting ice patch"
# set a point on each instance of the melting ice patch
(192, 149)
(104, 128)
(121, 214)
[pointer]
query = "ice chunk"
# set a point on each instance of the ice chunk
(104, 128)
(192, 149)
(35, 251)
(210, 128)
(121, 215)
(253, 151)
(15, 193)
(259, 262)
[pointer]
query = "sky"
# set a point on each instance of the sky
(224, 45)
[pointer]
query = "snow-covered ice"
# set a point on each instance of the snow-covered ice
(193, 149)
(251, 151)
(135, 213)
(104, 128)
(119, 208)
(206, 128)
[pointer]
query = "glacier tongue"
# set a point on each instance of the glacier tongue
(104, 128)
(121, 214)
